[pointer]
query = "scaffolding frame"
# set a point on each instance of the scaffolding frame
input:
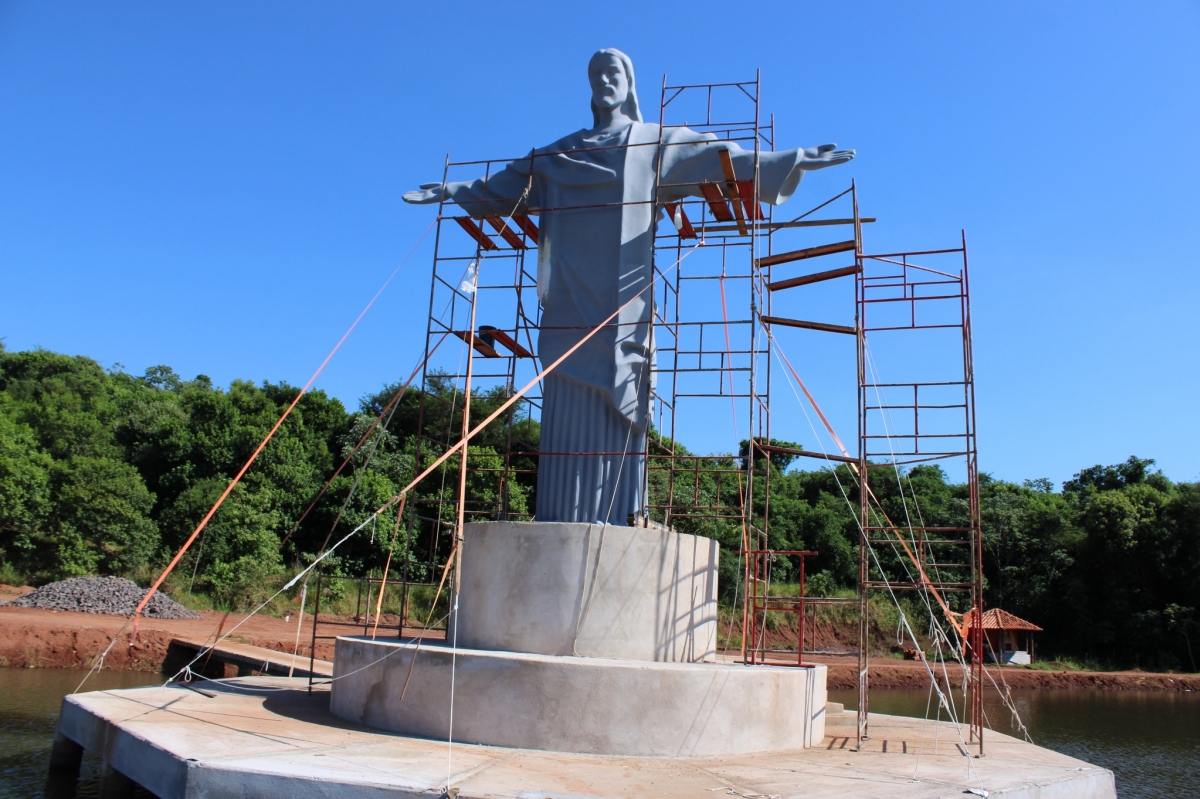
(929, 299)
(749, 250)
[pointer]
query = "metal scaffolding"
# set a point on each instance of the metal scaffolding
(924, 413)
(728, 278)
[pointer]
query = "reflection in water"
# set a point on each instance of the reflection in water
(1150, 739)
(29, 703)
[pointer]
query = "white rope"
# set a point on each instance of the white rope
(299, 626)
(958, 647)
(874, 556)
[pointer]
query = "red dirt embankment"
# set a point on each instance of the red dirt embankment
(54, 639)
(888, 673)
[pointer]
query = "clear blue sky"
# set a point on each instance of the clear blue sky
(216, 186)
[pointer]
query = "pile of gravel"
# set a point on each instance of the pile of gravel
(114, 595)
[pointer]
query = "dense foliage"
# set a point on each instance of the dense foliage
(102, 472)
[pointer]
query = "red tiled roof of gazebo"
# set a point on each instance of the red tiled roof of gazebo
(997, 619)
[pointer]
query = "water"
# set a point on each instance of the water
(29, 703)
(1150, 739)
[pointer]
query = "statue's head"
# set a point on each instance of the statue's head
(610, 73)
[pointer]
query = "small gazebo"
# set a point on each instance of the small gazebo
(1002, 633)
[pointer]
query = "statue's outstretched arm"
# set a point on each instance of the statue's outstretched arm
(823, 156)
(691, 159)
(428, 193)
(506, 191)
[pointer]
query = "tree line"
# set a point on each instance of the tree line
(103, 472)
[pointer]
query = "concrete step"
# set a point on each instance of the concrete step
(839, 722)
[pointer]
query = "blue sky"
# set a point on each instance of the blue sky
(217, 186)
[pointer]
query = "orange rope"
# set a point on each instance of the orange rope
(241, 472)
(386, 566)
(865, 486)
(511, 400)
(816, 407)
(362, 440)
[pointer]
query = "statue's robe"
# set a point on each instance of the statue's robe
(595, 197)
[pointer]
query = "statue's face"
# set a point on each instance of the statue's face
(610, 84)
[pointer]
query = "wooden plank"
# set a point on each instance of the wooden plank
(716, 202)
(779, 320)
(526, 224)
(805, 280)
(749, 200)
(511, 343)
(506, 233)
(803, 223)
(686, 231)
(256, 658)
(475, 232)
(806, 453)
(731, 187)
(479, 345)
(810, 252)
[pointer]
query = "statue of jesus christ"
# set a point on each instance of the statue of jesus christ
(594, 193)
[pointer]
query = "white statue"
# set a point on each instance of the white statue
(594, 194)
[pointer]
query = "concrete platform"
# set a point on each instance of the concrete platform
(266, 737)
(572, 704)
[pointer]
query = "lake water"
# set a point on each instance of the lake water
(1150, 739)
(29, 703)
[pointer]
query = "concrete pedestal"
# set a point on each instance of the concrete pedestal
(589, 590)
(581, 638)
(581, 705)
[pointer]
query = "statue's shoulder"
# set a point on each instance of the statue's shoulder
(677, 135)
(572, 141)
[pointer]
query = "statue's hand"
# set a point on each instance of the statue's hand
(428, 193)
(825, 155)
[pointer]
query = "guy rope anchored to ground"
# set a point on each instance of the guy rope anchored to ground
(99, 663)
(254, 456)
(450, 452)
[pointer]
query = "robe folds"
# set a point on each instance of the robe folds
(595, 200)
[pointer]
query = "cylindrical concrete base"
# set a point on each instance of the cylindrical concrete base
(592, 590)
(582, 705)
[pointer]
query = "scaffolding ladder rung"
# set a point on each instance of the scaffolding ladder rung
(809, 252)
(845, 271)
(823, 326)
(804, 452)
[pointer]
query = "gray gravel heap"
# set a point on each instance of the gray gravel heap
(114, 595)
